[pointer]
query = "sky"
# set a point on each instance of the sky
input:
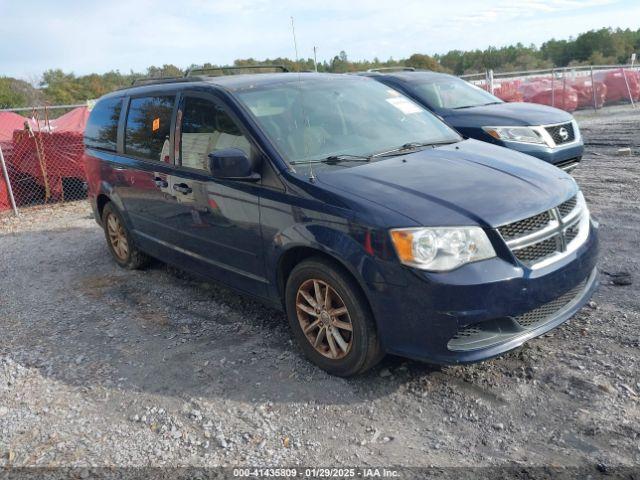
(84, 36)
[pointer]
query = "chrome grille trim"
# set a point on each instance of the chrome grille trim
(541, 235)
(568, 228)
(526, 226)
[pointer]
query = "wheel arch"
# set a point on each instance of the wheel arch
(101, 200)
(105, 195)
(297, 254)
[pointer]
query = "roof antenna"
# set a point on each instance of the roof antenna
(312, 177)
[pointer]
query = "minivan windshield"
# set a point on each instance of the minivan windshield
(451, 92)
(340, 118)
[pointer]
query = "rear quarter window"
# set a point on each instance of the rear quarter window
(101, 131)
(148, 127)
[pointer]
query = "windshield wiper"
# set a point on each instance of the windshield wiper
(477, 105)
(401, 150)
(409, 148)
(333, 159)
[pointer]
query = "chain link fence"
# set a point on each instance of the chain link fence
(569, 88)
(41, 159)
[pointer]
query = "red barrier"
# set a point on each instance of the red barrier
(9, 122)
(45, 163)
(47, 159)
(541, 91)
(584, 88)
(73, 121)
(508, 91)
(5, 202)
(617, 90)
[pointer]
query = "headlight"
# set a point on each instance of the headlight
(441, 248)
(515, 134)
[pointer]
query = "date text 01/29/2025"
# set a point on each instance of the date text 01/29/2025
(322, 472)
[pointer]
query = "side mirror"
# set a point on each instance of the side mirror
(232, 164)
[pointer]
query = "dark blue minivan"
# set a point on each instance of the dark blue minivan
(369, 221)
(544, 132)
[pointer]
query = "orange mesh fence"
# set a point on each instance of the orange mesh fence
(567, 89)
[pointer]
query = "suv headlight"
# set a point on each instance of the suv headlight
(515, 134)
(441, 248)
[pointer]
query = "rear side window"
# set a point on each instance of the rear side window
(148, 126)
(101, 131)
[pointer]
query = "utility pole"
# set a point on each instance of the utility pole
(315, 60)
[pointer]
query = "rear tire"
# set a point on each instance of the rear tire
(330, 318)
(120, 241)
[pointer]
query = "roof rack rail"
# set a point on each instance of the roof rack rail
(199, 73)
(150, 80)
(392, 69)
(203, 70)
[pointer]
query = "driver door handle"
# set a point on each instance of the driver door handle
(160, 182)
(182, 188)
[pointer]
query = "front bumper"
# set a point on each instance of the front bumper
(420, 320)
(563, 156)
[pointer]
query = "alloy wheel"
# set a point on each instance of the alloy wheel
(117, 237)
(324, 319)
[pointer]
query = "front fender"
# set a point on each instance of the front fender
(344, 246)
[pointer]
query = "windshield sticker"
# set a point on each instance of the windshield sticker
(405, 105)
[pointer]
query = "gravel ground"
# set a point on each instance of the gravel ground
(105, 367)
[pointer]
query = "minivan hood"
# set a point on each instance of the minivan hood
(506, 114)
(466, 183)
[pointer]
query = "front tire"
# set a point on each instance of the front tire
(120, 241)
(330, 319)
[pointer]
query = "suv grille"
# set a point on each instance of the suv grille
(567, 207)
(562, 133)
(546, 234)
(537, 251)
(525, 227)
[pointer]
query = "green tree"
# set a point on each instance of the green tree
(16, 93)
(424, 62)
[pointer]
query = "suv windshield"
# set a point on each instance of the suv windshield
(340, 118)
(452, 92)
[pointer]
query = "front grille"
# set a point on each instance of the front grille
(545, 235)
(567, 207)
(525, 227)
(539, 315)
(537, 251)
(562, 133)
(571, 233)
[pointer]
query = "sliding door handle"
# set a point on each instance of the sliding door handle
(182, 188)
(161, 182)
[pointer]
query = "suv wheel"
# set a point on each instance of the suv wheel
(330, 319)
(120, 241)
